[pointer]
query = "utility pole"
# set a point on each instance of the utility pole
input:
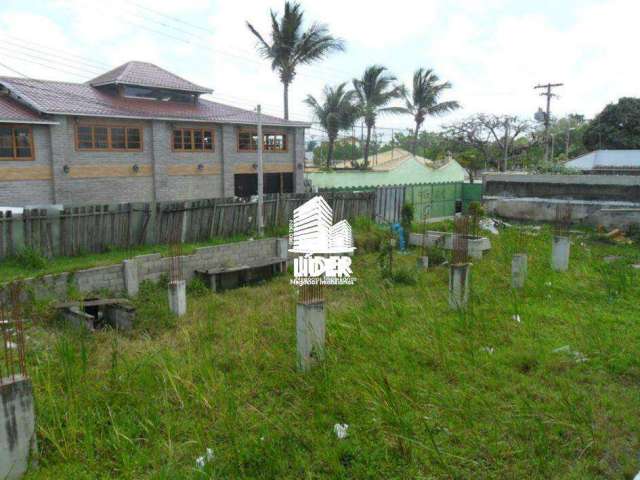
(507, 126)
(548, 93)
(260, 175)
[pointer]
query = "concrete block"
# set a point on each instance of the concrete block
(310, 334)
(120, 317)
(77, 318)
(17, 427)
(423, 262)
(560, 253)
(178, 297)
(459, 279)
(519, 270)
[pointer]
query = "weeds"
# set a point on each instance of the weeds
(427, 392)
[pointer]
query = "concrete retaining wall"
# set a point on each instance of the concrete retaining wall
(149, 267)
(594, 213)
(607, 188)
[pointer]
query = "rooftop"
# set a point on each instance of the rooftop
(410, 171)
(145, 74)
(32, 98)
(606, 159)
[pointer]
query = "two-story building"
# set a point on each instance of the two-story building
(137, 133)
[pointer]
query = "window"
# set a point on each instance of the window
(193, 139)
(272, 142)
(158, 94)
(16, 143)
(107, 138)
(247, 141)
(275, 142)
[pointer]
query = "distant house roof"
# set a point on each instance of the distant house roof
(11, 111)
(410, 171)
(606, 159)
(84, 99)
(145, 74)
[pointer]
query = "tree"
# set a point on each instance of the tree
(493, 136)
(374, 91)
(291, 46)
(616, 127)
(423, 100)
(335, 112)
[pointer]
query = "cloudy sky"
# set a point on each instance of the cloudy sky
(493, 51)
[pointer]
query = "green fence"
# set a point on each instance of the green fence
(434, 199)
(471, 192)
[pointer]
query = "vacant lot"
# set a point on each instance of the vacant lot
(426, 392)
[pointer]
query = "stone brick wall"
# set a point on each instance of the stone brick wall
(150, 267)
(36, 186)
(109, 177)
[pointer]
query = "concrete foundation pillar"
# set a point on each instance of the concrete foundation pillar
(459, 279)
(560, 253)
(282, 248)
(131, 284)
(519, 270)
(423, 262)
(178, 297)
(310, 334)
(17, 427)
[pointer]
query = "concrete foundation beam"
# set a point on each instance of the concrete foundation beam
(560, 253)
(519, 270)
(459, 279)
(17, 427)
(178, 297)
(310, 334)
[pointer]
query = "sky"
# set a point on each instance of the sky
(493, 51)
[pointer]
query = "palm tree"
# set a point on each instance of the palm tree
(423, 101)
(336, 112)
(374, 91)
(291, 46)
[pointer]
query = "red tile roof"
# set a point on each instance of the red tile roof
(146, 75)
(12, 111)
(81, 99)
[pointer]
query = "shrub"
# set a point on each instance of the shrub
(476, 209)
(31, 259)
(363, 224)
(406, 217)
(197, 288)
(437, 256)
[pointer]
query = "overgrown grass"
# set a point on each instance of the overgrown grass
(427, 392)
(29, 263)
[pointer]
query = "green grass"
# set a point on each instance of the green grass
(427, 392)
(27, 263)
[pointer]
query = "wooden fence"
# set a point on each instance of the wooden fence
(97, 228)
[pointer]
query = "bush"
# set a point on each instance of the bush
(476, 209)
(406, 217)
(31, 259)
(370, 240)
(437, 256)
(363, 224)
(197, 288)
